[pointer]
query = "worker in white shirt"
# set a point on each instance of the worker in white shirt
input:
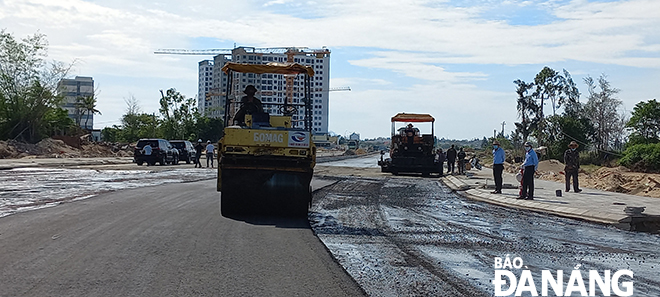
(146, 150)
(209, 153)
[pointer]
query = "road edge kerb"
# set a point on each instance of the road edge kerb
(621, 221)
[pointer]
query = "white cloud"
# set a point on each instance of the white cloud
(417, 39)
(277, 2)
(352, 81)
(416, 66)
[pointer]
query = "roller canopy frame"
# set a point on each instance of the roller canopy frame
(413, 117)
(294, 68)
(277, 68)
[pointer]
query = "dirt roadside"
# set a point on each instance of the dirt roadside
(55, 148)
(108, 156)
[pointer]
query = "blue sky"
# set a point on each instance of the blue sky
(456, 60)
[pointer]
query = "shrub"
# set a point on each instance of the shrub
(642, 157)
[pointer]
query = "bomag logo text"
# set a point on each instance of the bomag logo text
(268, 137)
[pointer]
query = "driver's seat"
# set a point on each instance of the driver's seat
(261, 119)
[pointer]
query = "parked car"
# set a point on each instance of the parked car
(186, 150)
(162, 152)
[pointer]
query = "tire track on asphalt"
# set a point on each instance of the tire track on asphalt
(413, 210)
(351, 217)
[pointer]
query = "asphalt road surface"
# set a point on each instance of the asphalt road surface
(395, 236)
(411, 236)
(168, 240)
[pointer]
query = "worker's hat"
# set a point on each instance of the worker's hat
(199, 140)
(573, 144)
(529, 144)
(496, 142)
(249, 88)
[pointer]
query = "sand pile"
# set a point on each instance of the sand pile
(621, 179)
(8, 151)
(53, 148)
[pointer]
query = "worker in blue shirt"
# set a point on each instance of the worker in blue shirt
(530, 166)
(498, 166)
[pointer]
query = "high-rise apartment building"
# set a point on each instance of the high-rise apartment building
(74, 90)
(271, 87)
(204, 86)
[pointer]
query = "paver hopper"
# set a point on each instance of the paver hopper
(411, 152)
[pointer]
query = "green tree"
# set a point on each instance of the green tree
(136, 126)
(645, 123)
(27, 87)
(527, 110)
(602, 109)
(57, 122)
(208, 129)
(181, 119)
(548, 85)
(87, 105)
(111, 134)
(551, 85)
(173, 110)
(562, 129)
(570, 97)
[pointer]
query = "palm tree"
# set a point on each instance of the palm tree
(88, 105)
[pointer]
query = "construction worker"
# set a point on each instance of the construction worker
(440, 158)
(209, 153)
(250, 105)
(529, 166)
(572, 166)
(498, 166)
(198, 153)
(461, 161)
(410, 133)
(146, 150)
(451, 159)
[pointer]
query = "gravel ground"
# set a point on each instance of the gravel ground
(406, 236)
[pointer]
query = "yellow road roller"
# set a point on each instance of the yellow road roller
(266, 156)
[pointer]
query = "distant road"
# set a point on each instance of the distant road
(168, 240)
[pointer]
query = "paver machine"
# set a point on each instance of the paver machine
(266, 162)
(410, 151)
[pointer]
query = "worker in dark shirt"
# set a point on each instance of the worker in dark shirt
(410, 133)
(572, 162)
(451, 159)
(198, 153)
(461, 161)
(250, 105)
